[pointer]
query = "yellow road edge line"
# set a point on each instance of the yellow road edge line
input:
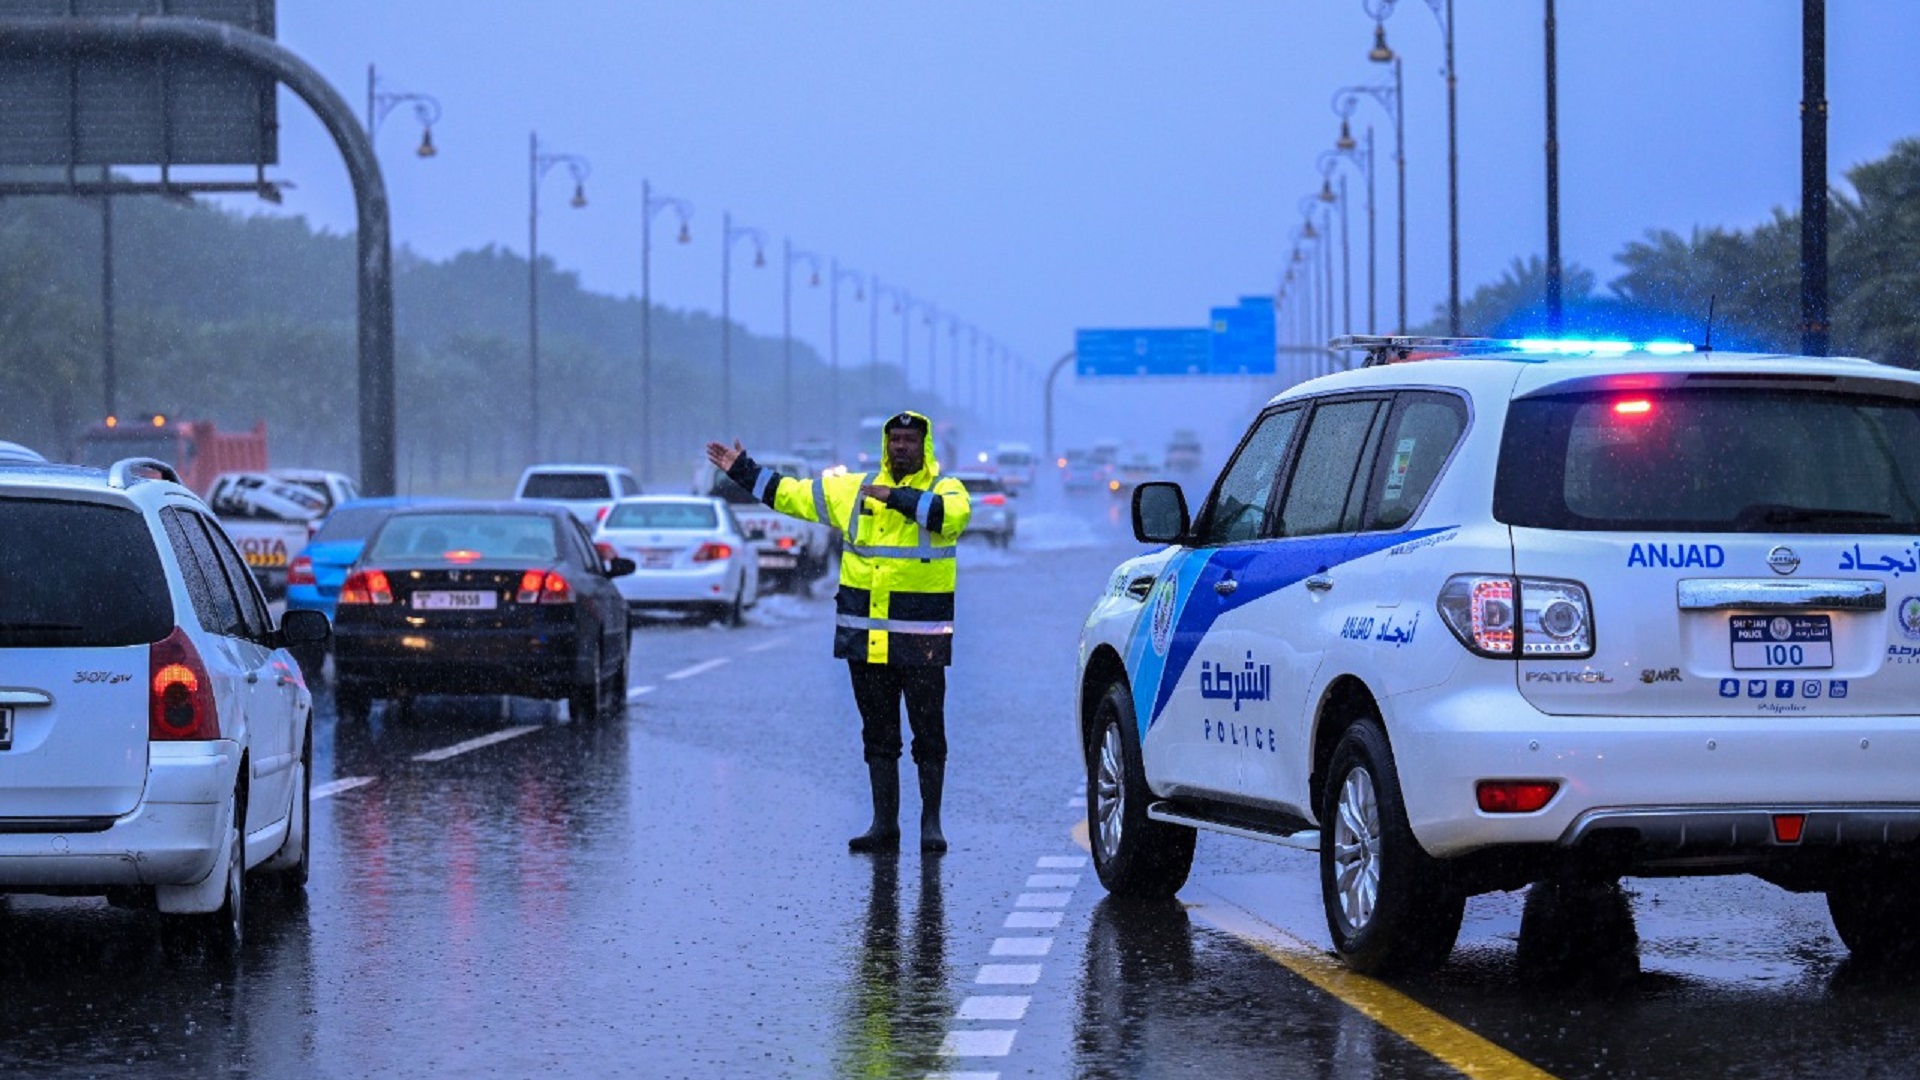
(1450, 1043)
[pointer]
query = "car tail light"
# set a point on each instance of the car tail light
(600, 515)
(1547, 617)
(785, 543)
(1514, 796)
(544, 587)
(1787, 828)
(994, 499)
(367, 587)
(711, 552)
(179, 692)
(300, 571)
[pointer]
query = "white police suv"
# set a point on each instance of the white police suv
(1482, 613)
(156, 739)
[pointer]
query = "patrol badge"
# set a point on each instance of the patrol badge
(1910, 616)
(1160, 620)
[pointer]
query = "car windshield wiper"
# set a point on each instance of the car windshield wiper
(1786, 514)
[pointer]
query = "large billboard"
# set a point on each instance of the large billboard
(96, 108)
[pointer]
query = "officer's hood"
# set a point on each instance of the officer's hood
(928, 471)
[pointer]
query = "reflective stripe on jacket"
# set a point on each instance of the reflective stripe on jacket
(897, 566)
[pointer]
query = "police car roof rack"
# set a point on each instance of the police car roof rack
(1392, 348)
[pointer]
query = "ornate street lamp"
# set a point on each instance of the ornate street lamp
(650, 206)
(1380, 11)
(538, 165)
(790, 257)
(731, 234)
(1345, 100)
(426, 109)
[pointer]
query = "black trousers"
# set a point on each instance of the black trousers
(877, 690)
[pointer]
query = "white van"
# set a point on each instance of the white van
(1014, 462)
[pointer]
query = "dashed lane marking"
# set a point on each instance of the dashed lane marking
(1008, 975)
(1021, 946)
(699, 668)
(459, 748)
(1053, 881)
(1456, 1046)
(765, 645)
(334, 787)
(994, 1007)
(1034, 920)
(992, 1042)
(639, 692)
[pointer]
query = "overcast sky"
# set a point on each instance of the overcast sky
(1036, 166)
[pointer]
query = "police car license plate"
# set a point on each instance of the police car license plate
(462, 600)
(6, 728)
(1781, 642)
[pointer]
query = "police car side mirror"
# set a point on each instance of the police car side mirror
(1160, 513)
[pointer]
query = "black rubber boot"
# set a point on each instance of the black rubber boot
(933, 777)
(884, 833)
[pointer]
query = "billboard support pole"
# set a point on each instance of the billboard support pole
(1051, 373)
(374, 234)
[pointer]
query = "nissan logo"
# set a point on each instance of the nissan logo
(1782, 560)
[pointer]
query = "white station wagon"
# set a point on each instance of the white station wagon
(156, 738)
(1481, 613)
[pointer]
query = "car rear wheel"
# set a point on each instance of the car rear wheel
(1133, 854)
(292, 863)
(223, 930)
(1876, 915)
(1389, 905)
(583, 701)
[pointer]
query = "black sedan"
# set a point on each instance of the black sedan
(482, 598)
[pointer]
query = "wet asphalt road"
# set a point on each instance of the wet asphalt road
(497, 892)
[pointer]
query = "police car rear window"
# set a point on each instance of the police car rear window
(1711, 460)
(79, 575)
(567, 486)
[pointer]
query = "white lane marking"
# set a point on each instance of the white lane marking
(1022, 946)
(765, 645)
(990, 1043)
(639, 692)
(1008, 974)
(459, 748)
(1034, 920)
(1042, 899)
(1061, 862)
(334, 787)
(994, 1007)
(702, 666)
(1053, 881)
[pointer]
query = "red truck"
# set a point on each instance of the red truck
(193, 447)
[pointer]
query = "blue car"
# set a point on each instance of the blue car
(315, 576)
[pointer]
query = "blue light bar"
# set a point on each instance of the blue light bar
(1586, 347)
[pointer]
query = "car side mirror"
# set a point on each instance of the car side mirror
(620, 566)
(301, 627)
(1160, 513)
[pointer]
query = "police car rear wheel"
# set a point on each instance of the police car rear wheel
(1873, 913)
(1133, 854)
(1389, 905)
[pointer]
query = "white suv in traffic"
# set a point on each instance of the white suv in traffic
(156, 738)
(1477, 614)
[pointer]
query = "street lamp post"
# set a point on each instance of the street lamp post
(730, 233)
(877, 290)
(426, 109)
(1346, 149)
(538, 165)
(650, 205)
(835, 275)
(1381, 10)
(1344, 101)
(1329, 162)
(790, 257)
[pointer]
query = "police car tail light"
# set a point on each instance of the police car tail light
(1514, 796)
(367, 587)
(179, 692)
(1478, 608)
(1494, 615)
(1555, 618)
(300, 571)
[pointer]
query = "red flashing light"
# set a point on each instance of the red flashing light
(1514, 796)
(1787, 828)
(179, 692)
(367, 587)
(300, 571)
(715, 552)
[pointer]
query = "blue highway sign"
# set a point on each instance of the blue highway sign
(1237, 341)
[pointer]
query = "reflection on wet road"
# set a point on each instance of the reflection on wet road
(498, 891)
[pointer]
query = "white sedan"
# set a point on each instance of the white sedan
(689, 552)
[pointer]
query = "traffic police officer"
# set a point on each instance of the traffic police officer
(894, 611)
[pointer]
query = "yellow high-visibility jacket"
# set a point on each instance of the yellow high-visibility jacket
(897, 567)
